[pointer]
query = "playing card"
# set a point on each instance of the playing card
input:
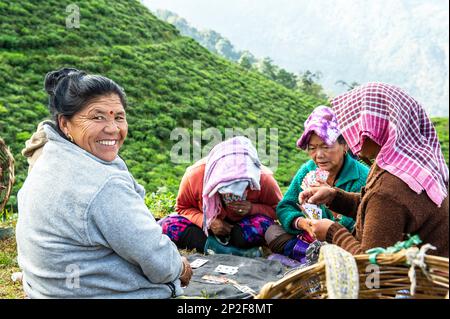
(245, 289)
(314, 176)
(228, 270)
(312, 211)
(308, 180)
(321, 175)
(198, 263)
(215, 279)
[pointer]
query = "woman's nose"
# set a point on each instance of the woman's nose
(112, 127)
(320, 153)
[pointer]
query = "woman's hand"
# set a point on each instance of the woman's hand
(305, 224)
(240, 207)
(186, 274)
(320, 228)
(317, 195)
(319, 183)
(220, 227)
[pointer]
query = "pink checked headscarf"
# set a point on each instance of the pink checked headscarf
(234, 160)
(410, 148)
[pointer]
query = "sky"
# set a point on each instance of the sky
(402, 42)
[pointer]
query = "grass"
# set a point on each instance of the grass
(8, 266)
(8, 261)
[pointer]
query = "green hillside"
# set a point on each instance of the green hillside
(170, 81)
(441, 125)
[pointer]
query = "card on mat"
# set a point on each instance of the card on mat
(198, 263)
(215, 279)
(229, 270)
(245, 289)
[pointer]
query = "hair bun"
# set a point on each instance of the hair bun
(54, 77)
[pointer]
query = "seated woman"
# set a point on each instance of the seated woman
(225, 202)
(330, 157)
(84, 230)
(407, 187)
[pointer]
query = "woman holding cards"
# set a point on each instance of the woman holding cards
(330, 163)
(226, 202)
(407, 187)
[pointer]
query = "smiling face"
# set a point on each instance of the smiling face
(327, 157)
(100, 128)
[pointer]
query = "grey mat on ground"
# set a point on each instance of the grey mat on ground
(253, 272)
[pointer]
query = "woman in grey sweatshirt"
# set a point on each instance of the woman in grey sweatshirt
(84, 230)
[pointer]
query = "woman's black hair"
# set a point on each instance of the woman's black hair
(70, 90)
(341, 139)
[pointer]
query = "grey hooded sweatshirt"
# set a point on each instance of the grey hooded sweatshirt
(84, 230)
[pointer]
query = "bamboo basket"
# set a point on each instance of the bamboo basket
(388, 279)
(6, 174)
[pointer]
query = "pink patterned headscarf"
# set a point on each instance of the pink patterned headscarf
(323, 122)
(234, 160)
(390, 117)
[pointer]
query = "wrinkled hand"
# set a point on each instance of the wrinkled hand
(220, 227)
(240, 207)
(320, 228)
(306, 225)
(186, 274)
(317, 195)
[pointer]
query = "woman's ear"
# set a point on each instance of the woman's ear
(63, 124)
(345, 147)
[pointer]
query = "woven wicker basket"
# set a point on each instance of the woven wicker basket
(357, 278)
(6, 174)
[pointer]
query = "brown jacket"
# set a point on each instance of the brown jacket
(386, 211)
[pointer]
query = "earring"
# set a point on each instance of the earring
(70, 137)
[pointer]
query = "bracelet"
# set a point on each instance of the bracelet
(296, 223)
(184, 271)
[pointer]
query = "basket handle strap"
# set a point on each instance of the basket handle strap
(374, 252)
(416, 257)
(341, 271)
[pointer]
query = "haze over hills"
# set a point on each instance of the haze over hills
(402, 42)
(220, 45)
(305, 82)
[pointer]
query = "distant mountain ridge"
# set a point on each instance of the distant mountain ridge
(306, 82)
(402, 42)
(210, 39)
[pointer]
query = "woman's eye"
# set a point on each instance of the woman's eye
(99, 117)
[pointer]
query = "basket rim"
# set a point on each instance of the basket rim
(383, 260)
